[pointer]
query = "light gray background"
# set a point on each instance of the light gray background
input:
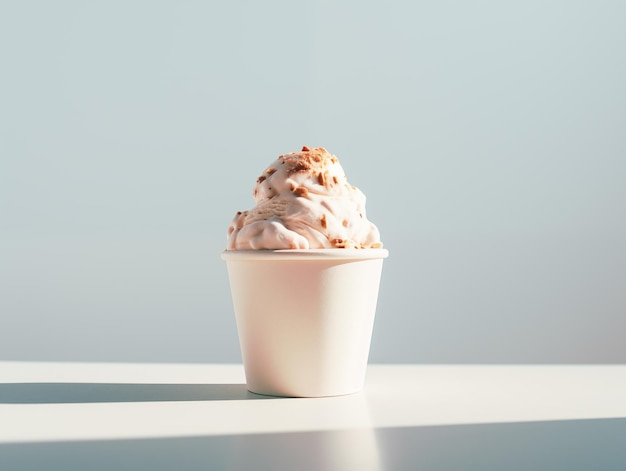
(489, 137)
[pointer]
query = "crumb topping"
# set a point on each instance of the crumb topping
(299, 167)
(339, 243)
(301, 191)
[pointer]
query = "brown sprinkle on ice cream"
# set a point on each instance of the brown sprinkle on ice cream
(301, 191)
(323, 178)
(299, 167)
(323, 221)
(339, 243)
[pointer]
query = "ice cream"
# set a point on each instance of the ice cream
(304, 201)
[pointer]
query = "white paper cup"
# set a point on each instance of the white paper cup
(305, 317)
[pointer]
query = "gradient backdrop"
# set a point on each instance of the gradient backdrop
(489, 136)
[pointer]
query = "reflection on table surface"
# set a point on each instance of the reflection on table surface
(559, 445)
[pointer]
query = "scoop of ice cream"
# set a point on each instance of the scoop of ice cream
(304, 201)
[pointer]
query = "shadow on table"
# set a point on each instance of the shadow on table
(557, 445)
(69, 393)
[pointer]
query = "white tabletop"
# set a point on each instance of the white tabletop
(199, 416)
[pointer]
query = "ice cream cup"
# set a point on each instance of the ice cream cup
(305, 317)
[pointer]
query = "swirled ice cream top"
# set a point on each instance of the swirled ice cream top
(304, 201)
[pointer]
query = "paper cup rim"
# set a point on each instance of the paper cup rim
(307, 254)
